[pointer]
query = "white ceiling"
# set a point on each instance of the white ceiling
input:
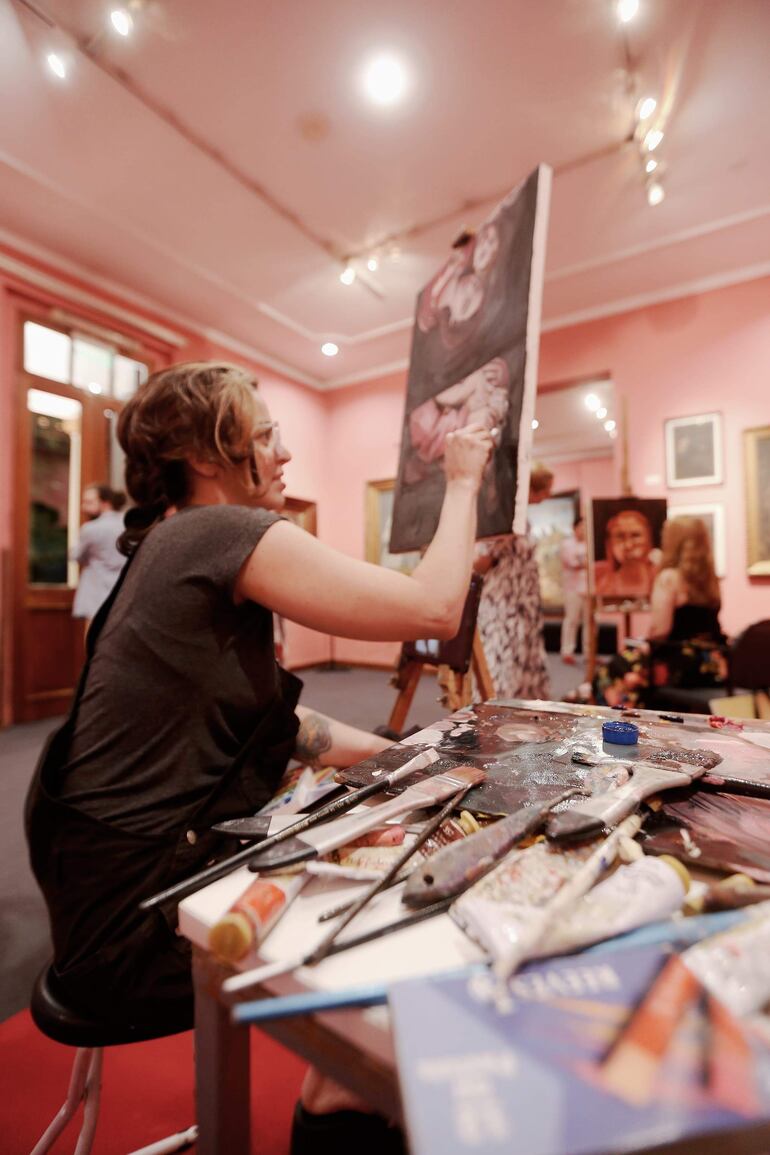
(222, 161)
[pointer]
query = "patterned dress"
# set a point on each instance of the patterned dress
(510, 619)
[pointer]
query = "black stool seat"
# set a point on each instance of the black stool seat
(62, 1022)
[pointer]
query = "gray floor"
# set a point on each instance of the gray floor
(361, 697)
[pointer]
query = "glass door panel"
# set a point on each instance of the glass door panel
(55, 431)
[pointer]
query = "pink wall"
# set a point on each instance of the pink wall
(700, 354)
(594, 477)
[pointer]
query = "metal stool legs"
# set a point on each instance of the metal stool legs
(85, 1086)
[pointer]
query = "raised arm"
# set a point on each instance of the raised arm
(664, 591)
(293, 573)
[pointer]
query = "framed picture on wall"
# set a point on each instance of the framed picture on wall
(694, 450)
(302, 513)
(756, 455)
(713, 515)
(379, 517)
(550, 522)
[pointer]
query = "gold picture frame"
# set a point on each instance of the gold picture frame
(756, 456)
(302, 513)
(379, 512)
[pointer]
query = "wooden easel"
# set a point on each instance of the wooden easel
(456, 685)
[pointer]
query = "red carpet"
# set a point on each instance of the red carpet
(147, 1091)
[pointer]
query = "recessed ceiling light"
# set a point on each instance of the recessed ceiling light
(94, 387)
(592, 402)
(655, 193)
(651, 165)
(329, 349)
(646, 107)
(609, 425)
(601, 413)
(627, 9)
(384, 79)
(348, 275)
(535, 423)
(372, 264)
(57, 65)
(653, 139)
(122, 21)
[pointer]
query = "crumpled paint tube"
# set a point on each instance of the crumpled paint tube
(733, 966)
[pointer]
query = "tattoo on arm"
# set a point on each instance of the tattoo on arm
(314, 738)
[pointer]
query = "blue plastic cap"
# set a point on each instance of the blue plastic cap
(621, 733)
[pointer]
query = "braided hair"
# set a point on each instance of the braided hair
(200, 409)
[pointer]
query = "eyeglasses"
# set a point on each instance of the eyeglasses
(268, 435)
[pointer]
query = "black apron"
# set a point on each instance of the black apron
(111, 959)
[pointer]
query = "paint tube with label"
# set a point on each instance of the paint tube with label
(645, 891)
(733, 966)
(253, 916)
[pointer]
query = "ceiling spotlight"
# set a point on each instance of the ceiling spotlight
(94, 387)
(372, 264)
(655, 193)
(609, 425)
(646, 107)
(384, 79)
(613, 434)
(592, 402)
(601, 413)
(651, 165)
(348, 275)
(329, 349)
(57, 65)
(627, 9)
(535, 423)
(653, 139)
(122, 21)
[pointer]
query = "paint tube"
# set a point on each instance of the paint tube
(733, 966)
(253, 916)
(643, 892)
(361, 863)
(496, 911)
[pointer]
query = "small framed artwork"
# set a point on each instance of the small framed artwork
(379, 517)
(694, 450)
(550, 524)
(756, 456)
(302, 513)
(713, 516)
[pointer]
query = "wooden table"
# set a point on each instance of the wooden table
(353, 1047)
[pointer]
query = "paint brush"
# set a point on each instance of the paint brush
(322, 840)
(321, 951)
(272, 970)
(186, 886)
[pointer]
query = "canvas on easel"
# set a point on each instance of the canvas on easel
(474, 360)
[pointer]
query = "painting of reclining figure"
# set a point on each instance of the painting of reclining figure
(474, 360)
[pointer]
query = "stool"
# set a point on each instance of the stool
(61, 1022)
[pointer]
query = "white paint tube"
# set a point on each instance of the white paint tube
(646, 891)
(733, 965)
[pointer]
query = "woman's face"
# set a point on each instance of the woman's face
(269, 455)
(485, 249)
(465, 298)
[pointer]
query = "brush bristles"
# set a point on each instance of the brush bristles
(463, 776)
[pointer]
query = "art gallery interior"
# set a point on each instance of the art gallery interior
(272, 185)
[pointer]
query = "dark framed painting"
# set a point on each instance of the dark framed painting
(624, 549)
(694, 450)
(756, 456)
(550, 523)
(474, 360)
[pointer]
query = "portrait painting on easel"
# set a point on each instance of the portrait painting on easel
(474, 360)
(625, 549)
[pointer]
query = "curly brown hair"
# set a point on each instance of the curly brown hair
(201, 409)
(687, 548)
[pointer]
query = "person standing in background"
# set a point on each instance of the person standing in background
(97, 552)
(574, 560)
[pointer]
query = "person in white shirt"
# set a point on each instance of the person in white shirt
(96, 551)
(575, 585)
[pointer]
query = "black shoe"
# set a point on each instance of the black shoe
(344, 1133)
